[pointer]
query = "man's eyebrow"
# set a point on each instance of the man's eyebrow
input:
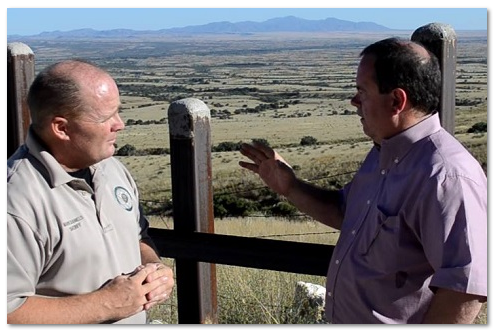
(112, 115)
(117, 111)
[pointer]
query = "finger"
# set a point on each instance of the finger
(132, 273)
(161, 284)
(266, 151)
(157, 292)
(160, 294)
(142, 273)
(164, 272)
(250, 166)
(160, 281)
(247, 150)
(151, 304)
(253, 153)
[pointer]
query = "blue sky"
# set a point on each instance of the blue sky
(30, 21)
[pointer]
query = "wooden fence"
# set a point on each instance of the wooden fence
(193, 242)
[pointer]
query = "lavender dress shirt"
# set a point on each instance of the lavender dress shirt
(415, 220)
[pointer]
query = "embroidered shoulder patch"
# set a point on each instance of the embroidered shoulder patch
(123, 198)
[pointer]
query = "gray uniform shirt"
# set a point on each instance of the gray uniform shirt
(415, 220)
(64, 237)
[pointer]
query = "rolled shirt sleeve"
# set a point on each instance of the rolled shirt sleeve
(456, 247)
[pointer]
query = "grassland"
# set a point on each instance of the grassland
(304, 84)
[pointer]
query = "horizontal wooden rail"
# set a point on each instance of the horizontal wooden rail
(278, 255)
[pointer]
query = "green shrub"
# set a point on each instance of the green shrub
(227, 146)
(308, 140)
(126, 150)
(261, 141)
(230, 205)
(478, 128)
(284, 209)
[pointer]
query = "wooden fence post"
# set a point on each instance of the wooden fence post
(192, 198)
(440, 39)
(20, 75)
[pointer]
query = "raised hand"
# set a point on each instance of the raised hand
(270, 166)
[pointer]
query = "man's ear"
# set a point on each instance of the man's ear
(399, 100)
(59, 126)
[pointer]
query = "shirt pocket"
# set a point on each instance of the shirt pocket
(383, 240)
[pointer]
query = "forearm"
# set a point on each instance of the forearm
(450, 307)
(148, 253)
(79, 309)
(323, 205)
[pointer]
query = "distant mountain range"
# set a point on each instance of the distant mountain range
(282, 24)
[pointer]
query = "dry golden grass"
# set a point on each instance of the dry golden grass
(247, 127)
(277, 228)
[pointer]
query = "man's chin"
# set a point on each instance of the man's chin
(367, 133)
(111, 152)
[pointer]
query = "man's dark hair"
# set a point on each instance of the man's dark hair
(399, 65)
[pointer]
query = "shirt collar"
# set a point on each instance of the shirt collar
(395, 148)
(57, 175)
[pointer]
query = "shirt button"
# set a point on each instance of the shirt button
(383, 172)
(329, 294)
(337, 261)
(353, 232)
(368, 202)
(396, 160)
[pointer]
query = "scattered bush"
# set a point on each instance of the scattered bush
(478, 128)
(227, 146)
(131, 121)
(308, 140)
(153, 151)
(261, 141)
(130, 150)
(126, 150)
(230, 205)
(284, 209)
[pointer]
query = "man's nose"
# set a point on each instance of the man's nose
(119, 124)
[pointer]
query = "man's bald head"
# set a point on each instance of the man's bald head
(56, 91)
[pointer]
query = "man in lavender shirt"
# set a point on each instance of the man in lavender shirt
(413, 221)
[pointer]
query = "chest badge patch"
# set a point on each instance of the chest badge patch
(123, 198)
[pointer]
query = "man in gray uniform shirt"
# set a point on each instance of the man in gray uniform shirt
(413, 221)
(77, 244)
